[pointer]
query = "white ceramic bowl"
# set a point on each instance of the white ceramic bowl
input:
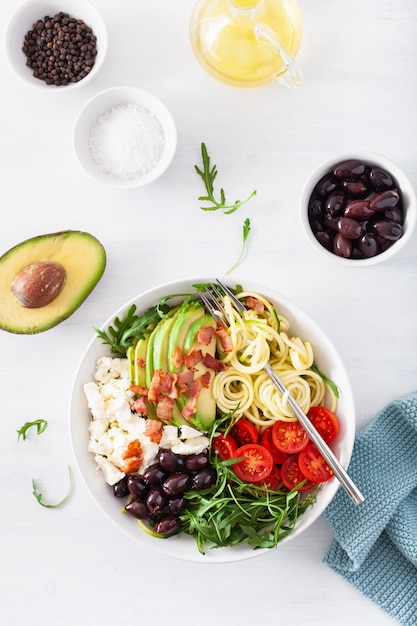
(408, 197)
(32, 11)
(102, 103)
(184, 546)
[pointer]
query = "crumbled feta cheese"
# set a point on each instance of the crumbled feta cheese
(191, 446)
(169, 436)
(188, 432)
(112, 475)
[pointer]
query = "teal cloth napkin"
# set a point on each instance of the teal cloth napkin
(375, 543)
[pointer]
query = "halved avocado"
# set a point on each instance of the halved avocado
(80, 254)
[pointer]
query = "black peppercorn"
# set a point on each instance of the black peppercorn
(70, 40)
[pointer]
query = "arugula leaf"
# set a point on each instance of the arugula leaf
(41, 425)
(209, 174)
(121, 334)
(38, 495)
(113, 336)
(246, 231)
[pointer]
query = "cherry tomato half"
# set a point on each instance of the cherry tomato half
(313, 466)
(244, 432)
(224, 445)
(292, 476)
(289, 437)
(325, 422)
(266, 440)
(256, 464)
(273, 481)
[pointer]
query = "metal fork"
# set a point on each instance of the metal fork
(210, 298)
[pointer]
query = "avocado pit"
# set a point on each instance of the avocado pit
(38, 284)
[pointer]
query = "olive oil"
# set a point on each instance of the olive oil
(226, 41)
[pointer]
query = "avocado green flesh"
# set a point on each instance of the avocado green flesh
(180, 330)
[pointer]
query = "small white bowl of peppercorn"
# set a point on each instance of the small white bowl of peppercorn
(358, 208)
(57, 45)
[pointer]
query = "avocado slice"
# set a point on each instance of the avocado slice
(130, 355)
(157, 357)
(141, 349)
(80, 254)
(206, 405)
(187, 315)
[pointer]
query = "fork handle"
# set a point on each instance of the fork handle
(338, 470)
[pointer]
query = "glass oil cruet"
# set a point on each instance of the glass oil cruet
(248, 43)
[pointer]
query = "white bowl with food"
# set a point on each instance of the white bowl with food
(112, 422)
(358, 208)
(56, 46)
(124, 137)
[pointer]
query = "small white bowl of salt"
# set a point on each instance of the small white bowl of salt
(125, 137)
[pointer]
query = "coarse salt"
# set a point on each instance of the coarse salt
(126, 141)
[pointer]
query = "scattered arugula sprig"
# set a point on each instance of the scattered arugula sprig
(41, 425)
(245, 233)
(38, 495)
(209, 174)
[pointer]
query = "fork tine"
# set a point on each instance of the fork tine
(217, 302)
(207, 297)
(238, 304)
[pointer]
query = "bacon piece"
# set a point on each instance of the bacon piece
(205, 334)
(153, 430)
(131, 465)
(139, 406)
(191, 406)
(162, 383)
(140, 362)
(177, 357)
(192, 358)
(132, 456)
(255, 304)
(185, 380)
(133, 449)
(225, 339)
(205, 379)
(164, 408)
(213, 363)
(138, 390)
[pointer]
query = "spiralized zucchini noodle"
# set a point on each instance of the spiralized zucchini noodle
(258, 338)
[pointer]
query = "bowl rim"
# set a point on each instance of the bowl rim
(123, 94)
(184, 547)
(53, 6)
(404, 182)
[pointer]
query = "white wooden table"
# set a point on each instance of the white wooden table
(71, 565)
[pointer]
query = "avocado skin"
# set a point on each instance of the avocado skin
(84, 260)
